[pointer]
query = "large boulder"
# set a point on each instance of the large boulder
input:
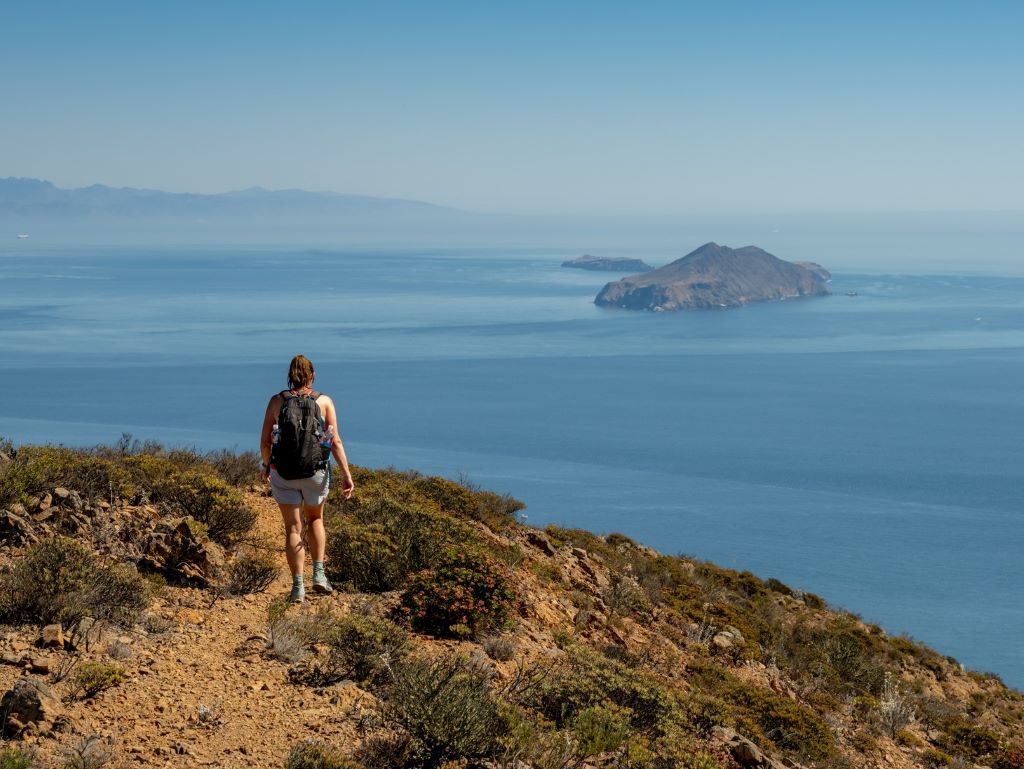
(746, 754)
(16, 527)
(726, 639)
(540, 541)
(52, 636)
(181, 550)
(29, 702)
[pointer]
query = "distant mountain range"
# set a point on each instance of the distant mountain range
(35, 198)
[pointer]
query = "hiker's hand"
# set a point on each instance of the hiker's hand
(348, 486)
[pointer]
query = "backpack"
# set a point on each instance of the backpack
(296, 451)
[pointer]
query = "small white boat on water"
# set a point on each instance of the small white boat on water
(22, 236)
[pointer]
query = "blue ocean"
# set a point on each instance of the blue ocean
(864, 446)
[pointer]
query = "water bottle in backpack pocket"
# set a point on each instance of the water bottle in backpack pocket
(326, 442)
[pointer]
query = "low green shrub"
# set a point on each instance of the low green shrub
(59, 580)
(588, 678)
(909, 739)
(38, 469)
(91, 678)
(625, 597)
(418, 531)
(463, 593)
(499, 647)
(529, 742)
(969, 740)
(620, 541)
(236, 468)
(117, 594)
(763, 715)
(201, 495)
(252, 572)
(741, 582)
(923, 655)
(508, 553)
(497, 511)
(43, 584)
(935, 758)
(359, 647)
(16, 758)
(676, 748)
(790, 726)
(837, 655)
(149, 471)
(382, 539)
(703, 713)
(313, 754)
(599, 729)
(386, 751)
(864, 741)
(364, 557)
(440, 495)
(1010, 757)
(935, 712)
(583, 539)
(549, 572)
(986, 678)
(656, 575)
(86, 753)
(447, 710)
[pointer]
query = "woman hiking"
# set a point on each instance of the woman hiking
(300, 434)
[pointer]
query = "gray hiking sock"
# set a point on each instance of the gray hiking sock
(318, 571)
(298, 594)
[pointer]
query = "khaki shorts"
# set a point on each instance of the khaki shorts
(310, 492)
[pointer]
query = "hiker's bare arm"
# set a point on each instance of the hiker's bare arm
(268, 427)
(337, 449)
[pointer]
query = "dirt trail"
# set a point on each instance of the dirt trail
(204, 693)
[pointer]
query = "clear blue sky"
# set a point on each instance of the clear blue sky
(582, 107)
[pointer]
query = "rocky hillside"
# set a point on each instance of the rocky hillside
(716, 276)
(142, 595)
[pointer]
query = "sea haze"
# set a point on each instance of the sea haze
(862, 447)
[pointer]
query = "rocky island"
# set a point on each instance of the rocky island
(716, 276)
(608, 263)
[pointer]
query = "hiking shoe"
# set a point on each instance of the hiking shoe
(322, 586)
(298, 595)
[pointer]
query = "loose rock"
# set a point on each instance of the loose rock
(52, 636)
(16, 527)
(540, 541)
(30, 702)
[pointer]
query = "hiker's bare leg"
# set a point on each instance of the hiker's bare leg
(292, 515)
(315, 531)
